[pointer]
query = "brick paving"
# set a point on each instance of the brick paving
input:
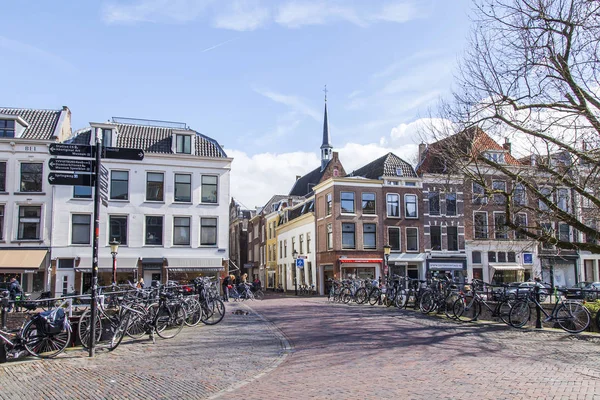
(337, 352)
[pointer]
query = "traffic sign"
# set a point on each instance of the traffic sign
(69, 164)
(103, 185)
(300, 263)
(73, 150)
(59, 178)
(122, 153)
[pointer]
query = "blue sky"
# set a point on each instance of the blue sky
(249, 73)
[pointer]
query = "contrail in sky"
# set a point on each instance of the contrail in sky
(218, 45)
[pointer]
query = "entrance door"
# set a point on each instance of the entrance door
(64, 282)
(150, 276)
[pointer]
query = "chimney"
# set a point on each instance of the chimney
(335, 155)
(533, 160)
(507, 146)
(422, 148)
(298, 177)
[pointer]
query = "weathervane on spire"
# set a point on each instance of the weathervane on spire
(325, 90)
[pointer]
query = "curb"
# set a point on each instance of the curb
(286, 350)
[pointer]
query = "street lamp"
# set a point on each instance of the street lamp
(295, 257)
(114, 248)
(386, 252)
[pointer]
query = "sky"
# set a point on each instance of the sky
(247, 73)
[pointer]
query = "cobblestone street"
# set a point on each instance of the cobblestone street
(337, 352)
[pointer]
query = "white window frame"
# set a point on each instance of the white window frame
(397, 228)
(387, 209)
(487, 225)
(406, 206)
(406, 232)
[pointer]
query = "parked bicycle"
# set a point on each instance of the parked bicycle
(469, 305)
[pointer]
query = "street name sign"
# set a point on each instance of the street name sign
(68, 164)
(59, 178)
(123, 154)
(73, 150)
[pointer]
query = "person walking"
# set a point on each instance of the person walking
(15, 291)
(140, 284)
(227, 284)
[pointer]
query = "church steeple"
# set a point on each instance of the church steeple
(326, 148)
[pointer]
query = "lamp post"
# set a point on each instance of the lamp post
(295, 257)
(114, 248)
(386, 252)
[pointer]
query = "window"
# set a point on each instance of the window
(106, 137)
(451, 204)
(452, 235)
(119, 185)
(491, 256)
(2, 176)
(29, 223)
(285, 248)
(410, 206)
(394, 238)
(564, 232)
(348, 236)
(368, 203)
(434, 203)
(301, 244)
(476, 257)
(154, 230)
(519, 195)
(154, 186)
(269, 253)
(183, 188)
(118, 228)
(412, 239)
(520, 220)
(308, 242)
(81, 228)
(478, 194)
(545, 192)
(208, 231)
(369, 236)
(548, 232)
(293, 244)
(82, 192)
(511, 257)
(209, 189)
(66, 263)
(499, 186)
(329, 236)
(501, 257)
(480, 225)
(31, 177)
(496, 157)
(410, 184)
(435, 233)
(184, 144)
(7, 128)
(563, 199)
(1, 222)
(270, 230)
(500, 229)
(181, 231)
(347, 202)
(280, 249)
(328, 205)
(393, 205)
(399, 172)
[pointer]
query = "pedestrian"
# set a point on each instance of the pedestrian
(15, 291)
(227, 284)
(245, 278)
(140, 284)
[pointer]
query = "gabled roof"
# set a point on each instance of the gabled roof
(471, 142)
(42, 123)
(387, 166)
(305, 184)
(152, 139)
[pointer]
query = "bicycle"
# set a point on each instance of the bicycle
(440, 296)
(570, 315)
(468, 307)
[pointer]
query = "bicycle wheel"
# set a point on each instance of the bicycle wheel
(427, 303)
(466, 308)
(44, 345)
(573, 317)
(85, 326)
(259, 295)
(137, 320)
(346, 296)
(216, 312)
(519, 314)
(390, 298)
(361, 295)
(374, 296)
(504, 311)
(193, 312)
(449, 304)
(170, 320)
(401, 298)
(119, 332)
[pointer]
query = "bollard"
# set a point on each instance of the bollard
(4, 312)
(538, 311)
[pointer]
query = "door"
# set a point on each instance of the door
(150, 276)
(64, 283)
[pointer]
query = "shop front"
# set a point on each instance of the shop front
(361, 268)
(560, 271)
(126, 272)
(27, 266)
(152, 270)
(508, 273)
(407, 265)
(185, 270)
(455, 268)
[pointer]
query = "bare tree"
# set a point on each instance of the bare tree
(530, 77)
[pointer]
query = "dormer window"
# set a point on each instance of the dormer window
(497, 157)
(107, 138)
(399, 172)
(7, 128)
(183, 144)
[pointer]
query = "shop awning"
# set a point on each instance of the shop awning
(361, 260)
(204, 264)
(506, 267)
(21, 261)
(124, 264)
(404, 258)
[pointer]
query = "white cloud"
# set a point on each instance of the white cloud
(242, 15)
(296, 103)
(35, 55)
(154, 11)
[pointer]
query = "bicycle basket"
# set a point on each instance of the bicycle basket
(51, 321)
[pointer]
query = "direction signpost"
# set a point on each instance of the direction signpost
(73, 150)
(123, 154)
(67, 164)
(59, 178)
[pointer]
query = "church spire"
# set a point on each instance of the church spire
(326, 148)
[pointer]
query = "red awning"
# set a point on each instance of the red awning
(361, 260)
